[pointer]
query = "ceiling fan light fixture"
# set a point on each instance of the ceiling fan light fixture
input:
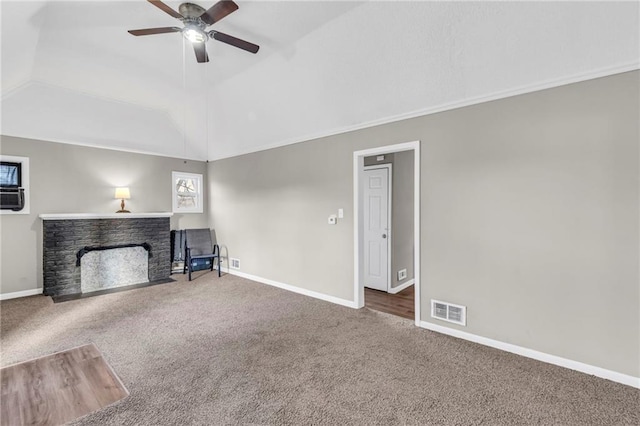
(195, 20)
(194, 35)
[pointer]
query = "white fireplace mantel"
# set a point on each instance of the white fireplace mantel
(79, 216)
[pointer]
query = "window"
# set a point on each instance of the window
(14, 185)
(187, 192)
(10, 174)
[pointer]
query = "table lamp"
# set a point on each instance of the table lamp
(122, 194)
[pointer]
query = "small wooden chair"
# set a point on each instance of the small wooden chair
(198, 245)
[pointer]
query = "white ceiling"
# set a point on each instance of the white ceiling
(71, 72)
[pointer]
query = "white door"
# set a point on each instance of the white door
(376, 228)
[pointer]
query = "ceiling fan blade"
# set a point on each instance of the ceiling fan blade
(150, 31)
(201, 52)
(234, 41)
(165, 8)
(218, 11)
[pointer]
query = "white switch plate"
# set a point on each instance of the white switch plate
(340, 213)
(332, 219)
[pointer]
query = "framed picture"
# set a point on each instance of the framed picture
(187, 192)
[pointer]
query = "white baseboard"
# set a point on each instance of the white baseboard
(540, 356)
(294, 289)
(398, 289)
(24, 293)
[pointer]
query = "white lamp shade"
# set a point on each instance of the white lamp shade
(122, 194)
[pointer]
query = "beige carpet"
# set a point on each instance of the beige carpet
(230, 351)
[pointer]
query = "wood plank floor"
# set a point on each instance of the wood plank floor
(58, 388)
(400, 304)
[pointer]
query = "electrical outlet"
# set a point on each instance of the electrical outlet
(402, 274)
(234, 263)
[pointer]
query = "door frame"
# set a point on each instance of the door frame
(389, 168)
(358, 181)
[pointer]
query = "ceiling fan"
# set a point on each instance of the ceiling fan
(196, 19)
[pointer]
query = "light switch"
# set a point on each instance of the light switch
(340, 213)
(332, 219)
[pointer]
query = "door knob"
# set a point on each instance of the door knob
(384, 235)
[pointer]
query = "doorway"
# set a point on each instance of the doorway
(369, 259)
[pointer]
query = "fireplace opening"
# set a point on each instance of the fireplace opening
(107, 267)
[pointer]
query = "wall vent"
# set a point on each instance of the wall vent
(449, 312)
(234, 263)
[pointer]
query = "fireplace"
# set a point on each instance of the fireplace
(87, 253)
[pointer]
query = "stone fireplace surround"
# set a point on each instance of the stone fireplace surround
(66, 235)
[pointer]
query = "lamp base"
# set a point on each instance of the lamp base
(122, 210)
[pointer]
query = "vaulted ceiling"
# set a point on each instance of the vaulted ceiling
(71, 73)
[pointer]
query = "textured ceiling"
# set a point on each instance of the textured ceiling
(71, 72)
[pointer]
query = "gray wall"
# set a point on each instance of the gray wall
(74, 179)
(529, 216)
(401, 212)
